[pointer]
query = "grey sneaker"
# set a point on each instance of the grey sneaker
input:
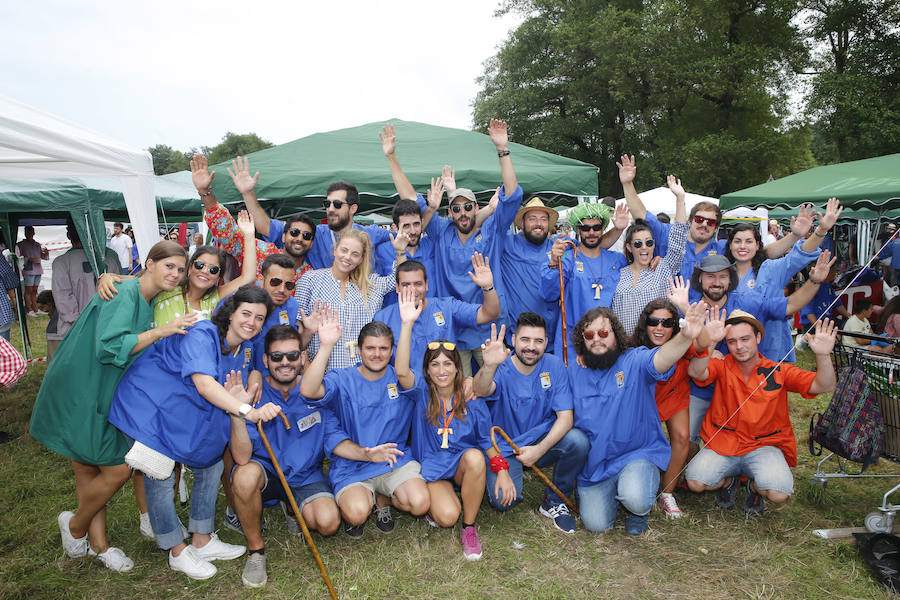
(383, 519)
(254, 574)
(292, 524)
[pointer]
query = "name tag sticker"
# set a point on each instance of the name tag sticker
(283, 317)
(545, 380)
(439, 319)
(393, 394)
(579, 266)
(309, 420)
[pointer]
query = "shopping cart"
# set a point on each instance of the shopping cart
(883, 376)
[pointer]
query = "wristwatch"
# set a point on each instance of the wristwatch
(244, 409)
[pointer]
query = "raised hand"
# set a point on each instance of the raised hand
(329, 330)
(245, 224)
(448, 177)
(801, 224)
(386, 453)
(483, 277)
(715, 325)
(819, 272)
(200, 174)
(234, 385)
(494, 201)
(822, 342)
(833, 210)
(620, 217)
(675, 187)
(693, 319)
(436, 192)
(243, 181)
(178, 325)
(320, 310)
(678, 293)
(399, 242)
(627, 169)
(499, 134)
(388, 137)
(408, 306)
(493, 349)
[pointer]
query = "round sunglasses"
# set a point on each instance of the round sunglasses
(307, 235)
(212, 269)
(600, 333)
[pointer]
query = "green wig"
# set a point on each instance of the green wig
(579, 213)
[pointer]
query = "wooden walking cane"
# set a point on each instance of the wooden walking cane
(534, 467)
(290, 495)
(562, 307)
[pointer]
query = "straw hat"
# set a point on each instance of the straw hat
(536, 204)
(740, 316)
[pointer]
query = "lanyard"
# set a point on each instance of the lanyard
(445, 430)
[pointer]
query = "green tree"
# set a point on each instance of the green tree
(693, 87)
(234, 144)
(168, 160)
(854, 98)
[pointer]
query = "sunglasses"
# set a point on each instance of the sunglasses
(460, 207)
(213, 269)
(292, 356)
(639, 243)
(586, 228)
(668, 322)
(700, 220)
(600, 333)
(307, 235)
(337, 204)
(288, 285)
(444, 345)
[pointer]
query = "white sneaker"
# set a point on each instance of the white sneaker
(216, 549)
(146, 528)
(670, 507)
(74, 547)
(191, 565)
(114, 559)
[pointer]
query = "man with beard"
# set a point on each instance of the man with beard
(441, 317)
(612, 385)
(296, 240)
(529, 398)
(407, 218)
(590, 279)
(715, 277)
(299, 450)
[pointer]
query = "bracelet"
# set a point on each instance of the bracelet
(498, 463)
(503, 153)
(821, 235)
(202, 195)
(488, 289)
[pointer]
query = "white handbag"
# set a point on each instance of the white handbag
(150, 462)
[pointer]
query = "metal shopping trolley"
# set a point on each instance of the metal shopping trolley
(883, 378)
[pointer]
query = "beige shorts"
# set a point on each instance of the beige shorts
(386, 483)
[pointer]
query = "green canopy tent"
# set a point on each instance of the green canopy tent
(294, 175)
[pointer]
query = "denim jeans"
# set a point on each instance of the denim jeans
(161, 505)
(766, 466)
(634, 486)
(568, 455)
(697, 412)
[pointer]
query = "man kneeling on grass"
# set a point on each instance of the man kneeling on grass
(374, 406)
(747, 430)
(299, 451)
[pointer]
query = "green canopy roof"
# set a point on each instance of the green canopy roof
(297, 173)
(872, 183)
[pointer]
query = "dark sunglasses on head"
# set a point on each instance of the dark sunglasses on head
(337, 204)
(292, 356)
(445, 345)
(288, 285)
(700, 220)
(459, 207)
(586, 228)
(213, 269)
(307, 235)
(600, 333)
(639, 243)
(668, 322)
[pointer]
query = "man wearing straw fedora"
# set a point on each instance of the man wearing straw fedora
(747, 429)
(299, 452)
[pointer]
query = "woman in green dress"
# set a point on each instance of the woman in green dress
(72, 406)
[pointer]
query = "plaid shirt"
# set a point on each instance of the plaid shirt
(629, 300)
(12, 365)
(353, 312)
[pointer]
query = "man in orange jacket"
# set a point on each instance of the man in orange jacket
(747, 429)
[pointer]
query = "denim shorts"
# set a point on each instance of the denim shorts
(31, 280)
(766, 466)
(303, 495)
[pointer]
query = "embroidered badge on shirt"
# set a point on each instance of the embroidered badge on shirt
(620, 379)
(393, 394)
(579, 266)
(309, 420)
(282, 317)
(712, 252)
(545, 380)
(478, 238)
(751, 284)
(439, 319)
(248, 356)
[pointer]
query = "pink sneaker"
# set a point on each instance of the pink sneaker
(668, 504)
(471, 545)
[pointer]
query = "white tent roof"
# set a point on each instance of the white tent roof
(661, 199)
(36, 145)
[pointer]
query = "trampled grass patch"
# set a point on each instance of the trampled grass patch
(708, 554)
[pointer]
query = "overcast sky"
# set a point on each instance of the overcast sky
(184, 73)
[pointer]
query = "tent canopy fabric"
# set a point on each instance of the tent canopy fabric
(662, 199)
(295, 175)
(873, 183)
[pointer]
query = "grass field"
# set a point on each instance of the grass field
(709, 554)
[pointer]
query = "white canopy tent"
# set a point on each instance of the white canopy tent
(36, 145)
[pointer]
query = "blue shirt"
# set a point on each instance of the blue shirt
(692, 257)
(454, 260)
(525, 406)
(589, 283)
(472, 432)
(321, 254)
(368, 413)
(770, 281)
(158, 404)
(820, 307)
(424, 254)
(442, 319)
(521, 266)
(616, 409)
(300, 449)
(286, 314)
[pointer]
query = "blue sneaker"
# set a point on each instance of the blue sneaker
(725, 497)
(635, 524)
(753, 503)
(232, 522)
(563, 520)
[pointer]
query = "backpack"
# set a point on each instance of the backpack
(852, 425)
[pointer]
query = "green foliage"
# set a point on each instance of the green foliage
(235, 144)
(168, 160)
